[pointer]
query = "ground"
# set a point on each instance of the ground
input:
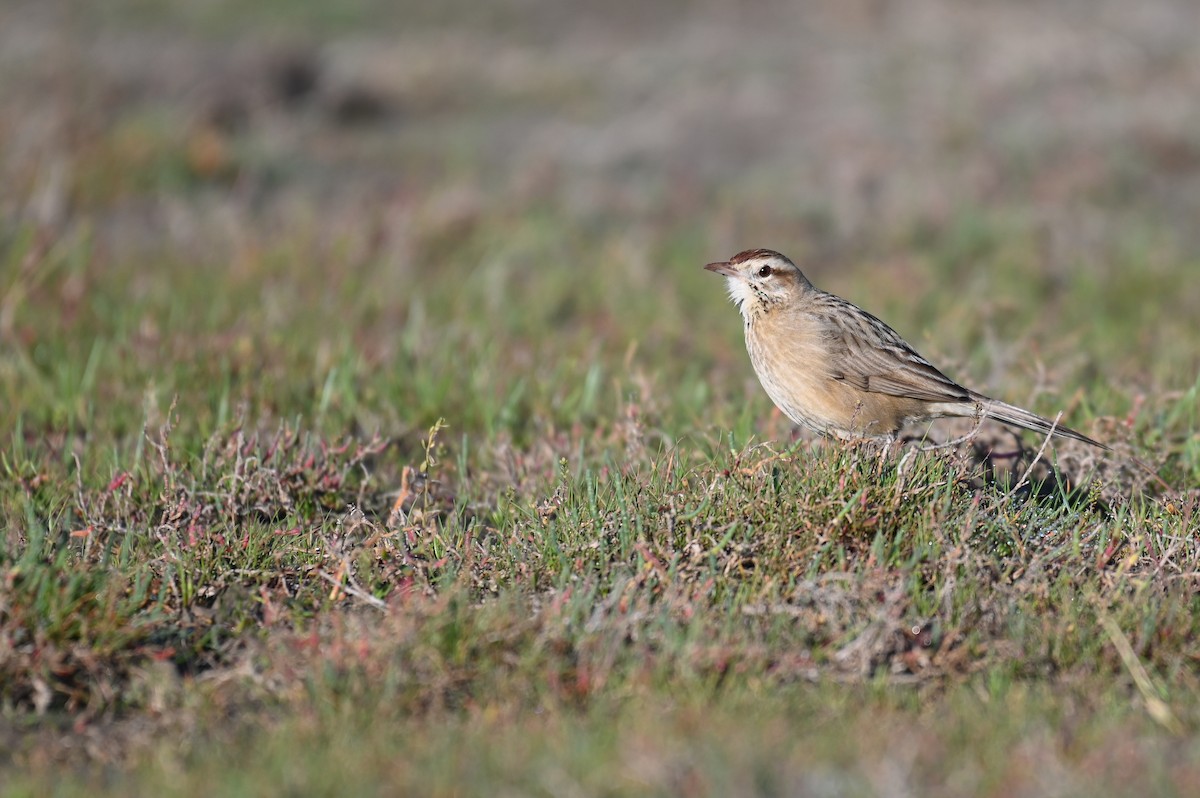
(371, 426)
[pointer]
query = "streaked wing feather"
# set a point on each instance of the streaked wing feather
(871, 356)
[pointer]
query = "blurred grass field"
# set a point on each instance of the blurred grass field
(267, 271)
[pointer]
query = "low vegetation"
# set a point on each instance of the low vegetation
(318, 483)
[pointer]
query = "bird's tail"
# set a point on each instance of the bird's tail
(985, 407)
(1018, 417)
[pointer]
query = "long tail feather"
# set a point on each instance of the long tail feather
(1011, 414)
(1018, 417)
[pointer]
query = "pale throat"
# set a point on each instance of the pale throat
(750, 302)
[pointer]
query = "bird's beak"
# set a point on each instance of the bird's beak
(722, 268)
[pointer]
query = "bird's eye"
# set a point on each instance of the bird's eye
(765, 271)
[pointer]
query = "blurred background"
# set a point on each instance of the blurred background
(387, 184)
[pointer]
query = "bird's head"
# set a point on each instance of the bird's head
(760, 280)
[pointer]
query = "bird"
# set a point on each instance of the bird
(834, 368)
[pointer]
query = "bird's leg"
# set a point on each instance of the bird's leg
(885, 450)
(906, 460)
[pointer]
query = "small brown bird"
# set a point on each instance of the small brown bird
(836, 369)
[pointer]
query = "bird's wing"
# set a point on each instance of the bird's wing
(868, 354)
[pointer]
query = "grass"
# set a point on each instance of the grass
(460, 483)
